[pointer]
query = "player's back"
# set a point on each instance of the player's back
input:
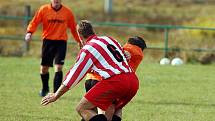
(107, 56)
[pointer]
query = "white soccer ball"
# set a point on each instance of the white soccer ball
(164, 61)
(176, 62)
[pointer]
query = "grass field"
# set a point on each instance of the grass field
(167, 93)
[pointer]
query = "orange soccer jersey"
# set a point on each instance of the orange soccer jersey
(135, 60)
(55, 23)
(136, 55)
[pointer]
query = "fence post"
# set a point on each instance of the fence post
(26, 22)
(166, 37)
(108, 6)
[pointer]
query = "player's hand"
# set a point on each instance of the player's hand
(127, 55)
(28, 37)
(48, 99)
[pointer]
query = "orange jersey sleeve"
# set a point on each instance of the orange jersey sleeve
(54, 22)
(136, 55)
(72, 25)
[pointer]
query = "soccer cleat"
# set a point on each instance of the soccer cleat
(43, 92)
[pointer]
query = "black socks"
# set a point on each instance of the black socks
(57, 80)
(99, 117)
(102, 117)
(45, 81)
(116, 118)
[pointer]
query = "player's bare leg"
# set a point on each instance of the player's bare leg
(111, 113)
(85, 109)
(108, 113)
(117, 115)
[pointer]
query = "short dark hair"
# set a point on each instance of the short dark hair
(85, 28)
(138, 41)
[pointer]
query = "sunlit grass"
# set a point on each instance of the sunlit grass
(167, 93)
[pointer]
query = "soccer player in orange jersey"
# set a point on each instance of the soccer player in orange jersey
(55, 19)
(134, 53)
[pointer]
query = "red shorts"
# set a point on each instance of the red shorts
(118, 90)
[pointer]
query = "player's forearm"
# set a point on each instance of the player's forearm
(62, 89)
(32, 27)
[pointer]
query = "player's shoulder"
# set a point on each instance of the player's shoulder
(130, 46)
(106, 38)
(133, 49)
(93, 45)
(89, 46)
(45, 6)
(102, 37)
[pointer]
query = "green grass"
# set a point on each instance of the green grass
(167, 93)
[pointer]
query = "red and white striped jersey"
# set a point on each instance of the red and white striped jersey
(103, 55)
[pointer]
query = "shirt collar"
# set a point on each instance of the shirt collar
(90, 37)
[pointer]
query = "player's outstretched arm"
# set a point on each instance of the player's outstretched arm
(52, 97)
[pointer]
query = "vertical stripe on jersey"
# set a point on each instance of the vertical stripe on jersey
(78, 71)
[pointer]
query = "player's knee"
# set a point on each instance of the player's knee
(44, 69)
(79, 109)
(58, 68)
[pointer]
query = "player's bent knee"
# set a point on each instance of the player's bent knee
(83, 105)
(79, 109)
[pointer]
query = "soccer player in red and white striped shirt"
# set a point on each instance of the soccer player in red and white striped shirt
(105, 56)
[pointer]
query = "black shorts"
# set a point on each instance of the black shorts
(90, 83)
(53, 50)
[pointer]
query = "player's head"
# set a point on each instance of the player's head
(85, 29)
(56, 4)
(138, 41)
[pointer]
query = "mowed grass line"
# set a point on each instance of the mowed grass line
(167, 93)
